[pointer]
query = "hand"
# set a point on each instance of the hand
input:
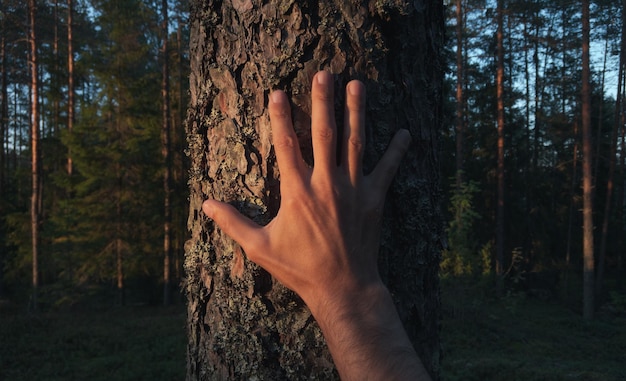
(323, 243)
(325, 238)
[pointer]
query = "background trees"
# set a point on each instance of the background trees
(101, 193)
(102, 217)
(544, 113)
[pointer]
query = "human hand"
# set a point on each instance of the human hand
(323, 243)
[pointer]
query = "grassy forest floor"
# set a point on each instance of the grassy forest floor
(527, 338)
(514, 338)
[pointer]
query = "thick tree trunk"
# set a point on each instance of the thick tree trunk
(242, 324)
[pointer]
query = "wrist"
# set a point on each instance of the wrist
(366, 337)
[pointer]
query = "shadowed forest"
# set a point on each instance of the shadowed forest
(94, 194)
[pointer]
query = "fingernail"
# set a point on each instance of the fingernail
(207, 208)
(352, 89)
(275, 97)
(322, 77)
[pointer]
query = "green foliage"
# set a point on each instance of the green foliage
(112, 203)
(460, 257)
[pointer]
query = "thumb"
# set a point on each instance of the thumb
(234, 224)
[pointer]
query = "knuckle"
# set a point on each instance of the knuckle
(356, 142)
(287, 141)
(279, 113)
(324, 133)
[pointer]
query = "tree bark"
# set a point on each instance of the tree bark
(35, 153)
(588, 246)
(242, 324)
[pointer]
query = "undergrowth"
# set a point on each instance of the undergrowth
(132, 343)
(523, 338)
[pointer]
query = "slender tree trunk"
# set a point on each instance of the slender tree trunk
(588, 247)
(612, 164)
(119, 247)
(4, 102)
(35, 153)
(182, 103)
(242, 324)
(460, 125)
(70, 80)
(620, 190)
(570, 219)
(500, 164)
(3, 114)
(56, 104)
(165, 150)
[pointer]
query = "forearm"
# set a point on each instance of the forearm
(366, 338)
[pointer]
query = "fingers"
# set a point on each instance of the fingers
(285, 141)
(323, 128)
(354, 131)
(234, 224)
(387, 166)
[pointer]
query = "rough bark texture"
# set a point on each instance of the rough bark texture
(242, 324)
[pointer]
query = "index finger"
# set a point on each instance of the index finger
(284, 138)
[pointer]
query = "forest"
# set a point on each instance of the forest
(88, 166)
(93, 165)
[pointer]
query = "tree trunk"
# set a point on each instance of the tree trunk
(612, 163)
(70, 80)
(460, 125)
(500, 142)
(243, 324)
(35, 153)
(588, 247)
(3, 116)
(3, 141)
(165, 151)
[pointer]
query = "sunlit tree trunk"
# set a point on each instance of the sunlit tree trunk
(70, 79)
(570, 217)
(35, 153)
(588, 246)
(167, 162)
(500, 142)
(243, 324)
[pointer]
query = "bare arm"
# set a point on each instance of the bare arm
(323, 243)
